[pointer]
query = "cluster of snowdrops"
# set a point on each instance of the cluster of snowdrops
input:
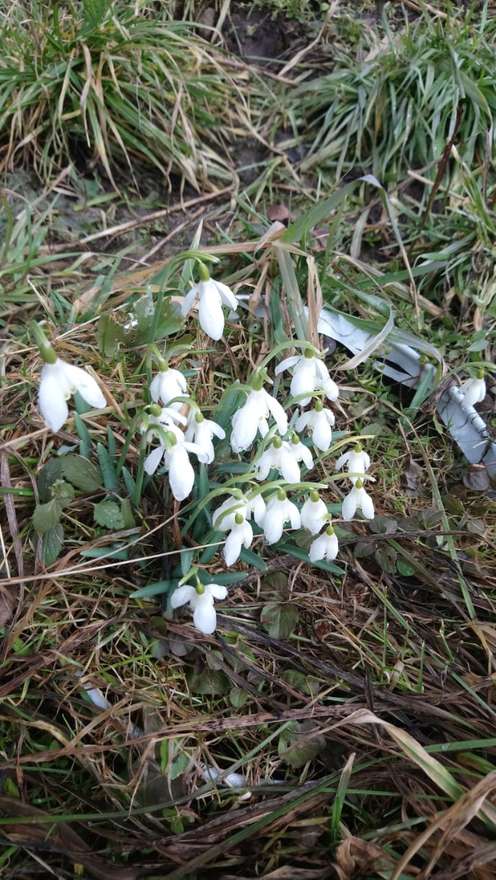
(273, 436)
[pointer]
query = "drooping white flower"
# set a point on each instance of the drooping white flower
(320, 421)
(167, 385)
(241, 535)
(357, 499)
(473, 390)
(201, 431)
(280, 510)
(324, 547)
(201, 602)
(357, 462)
(174, 451)
(248, 505)
(59, 381)
(157, 418)
(310, 374)
(210, 296)
(314, 513)
(284, 456)
(252, 418)
(230, 780)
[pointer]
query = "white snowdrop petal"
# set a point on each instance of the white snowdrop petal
(97, 698)
(332, 547)
(230, 780)
(274, 522)
(181, 473)
(304, 379)
(182, 595)
(216, 430)
(367, 505)
(85, 384)
(52, 399)
(153, 460)
(349, 505)
(286, 364)
(330, 389)
(306, 456)
(232, 547)
(289, 467)
(321, 370)
(303, 420)
(227, 296)
(277, 413)
(264, 465)
(322, 433)
(188, 301)
(155, 388)
(259, 509)
(244, 427)
(341, 461)
(217, 591)
(313, 515)
(204, 616)
(247, 534)
(263, 427)
(210, 312)
(293, 514)
(317, 549)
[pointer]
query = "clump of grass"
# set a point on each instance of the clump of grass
(399, 108)
(94, 80)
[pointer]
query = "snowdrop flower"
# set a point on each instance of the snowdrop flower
(225, 516)
(253, 415)
(241, 535)
(230, 780)
(320, 421)
(314, 513)
(157, 418)
(280, 510)
(59, 381)
(201, 431)
(167, 385)
(309, 374)
(325, 546)
(357, 463)
(174, 451)
(357, 499)
(211, 296)
(284, 456)
(473, 390)
(201, 602)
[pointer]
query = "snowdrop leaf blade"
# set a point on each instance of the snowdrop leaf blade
(155, 589)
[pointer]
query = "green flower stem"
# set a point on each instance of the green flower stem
(47, 352)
